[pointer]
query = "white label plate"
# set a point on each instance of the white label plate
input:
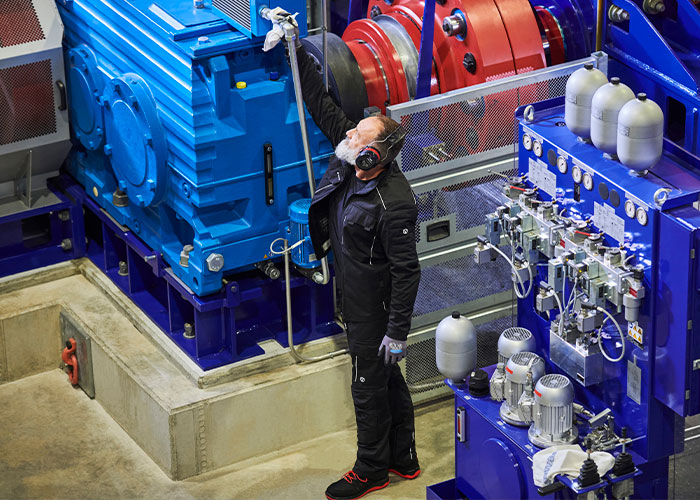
(606, 220)
(541, 177)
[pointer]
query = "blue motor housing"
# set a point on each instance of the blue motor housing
(171, 105)
(302, 255)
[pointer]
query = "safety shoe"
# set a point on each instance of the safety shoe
(410, 471)
(352, 486)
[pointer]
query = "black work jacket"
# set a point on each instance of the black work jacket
(380, 269)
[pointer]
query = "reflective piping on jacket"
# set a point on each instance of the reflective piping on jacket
(380, 197)
(355, 369)
(371, 249)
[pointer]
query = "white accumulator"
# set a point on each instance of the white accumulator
(580, 87)
(640, 133)
(605, 108)
(455, 347)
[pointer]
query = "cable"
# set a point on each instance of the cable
(283, 252)
(561, 313)
(600, 338)
(517, 275)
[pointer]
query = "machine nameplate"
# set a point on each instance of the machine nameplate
(606, 220)
(634, 382)
(541, 177)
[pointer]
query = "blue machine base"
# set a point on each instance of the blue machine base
(446, 490)
(34, 238)
(495, 459)
(227, 325)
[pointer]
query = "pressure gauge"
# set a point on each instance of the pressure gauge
(588, 181)
(562, 165)
(527, 142)
(642, 216)
(537, 148)
(576, 174)
(630, 209)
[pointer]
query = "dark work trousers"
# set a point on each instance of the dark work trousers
(383, 406)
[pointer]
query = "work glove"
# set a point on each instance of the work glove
(278, 15)
(394, 350)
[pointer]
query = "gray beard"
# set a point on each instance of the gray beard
(345, 153)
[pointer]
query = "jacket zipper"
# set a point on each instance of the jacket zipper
(371, 249)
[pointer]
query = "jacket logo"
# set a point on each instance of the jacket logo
(405, 231)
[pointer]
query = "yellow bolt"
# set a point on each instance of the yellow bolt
(95, 191)
(241, 85)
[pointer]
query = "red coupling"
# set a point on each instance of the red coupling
(69, 358)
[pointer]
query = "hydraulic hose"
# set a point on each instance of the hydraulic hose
(290, 337)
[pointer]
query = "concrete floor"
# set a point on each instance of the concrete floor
(58, 443)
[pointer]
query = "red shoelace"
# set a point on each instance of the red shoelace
(350, 476)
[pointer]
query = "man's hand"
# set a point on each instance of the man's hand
(394, 350)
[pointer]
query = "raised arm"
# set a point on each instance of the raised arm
(329, 117)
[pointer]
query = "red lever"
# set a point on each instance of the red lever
(71, 361)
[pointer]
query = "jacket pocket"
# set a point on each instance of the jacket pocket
(359, 229)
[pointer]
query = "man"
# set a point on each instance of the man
(368, 217)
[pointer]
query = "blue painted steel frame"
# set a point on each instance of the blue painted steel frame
(33, 238)
(228, 325)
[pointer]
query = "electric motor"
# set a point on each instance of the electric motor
(580, 87)
(605, 108)
(553, 418)
(302, 255)
(640, 133)
(514, 340)
(516, 377)
(455, 347)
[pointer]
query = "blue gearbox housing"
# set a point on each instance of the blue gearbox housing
(170, 109)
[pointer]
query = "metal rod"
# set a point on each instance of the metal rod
(324, 28)
(290, 332)
(290, 36)
(599, 26)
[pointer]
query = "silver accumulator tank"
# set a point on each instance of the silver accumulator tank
(553, 416)
(511, 341)
(605, 108)
(580, 87)
(517, 369)
(640, 133)
(455, 347)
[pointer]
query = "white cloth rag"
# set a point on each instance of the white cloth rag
(277, 16)
(566, 459)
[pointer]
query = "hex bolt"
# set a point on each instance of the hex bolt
(375, 11)
(454, 25)
(189, 331)
(215, 262)
(123, 268)
(654, 6)
(120, 198)
(203, 40)
(617, 14)
(66, 245)
(64, 215)
(469, 62)
(317, 278)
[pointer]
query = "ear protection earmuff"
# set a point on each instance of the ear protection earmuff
(379, 152)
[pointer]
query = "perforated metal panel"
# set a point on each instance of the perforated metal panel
(27, 107)
(468, 201)
(454, 282)
(19, 23)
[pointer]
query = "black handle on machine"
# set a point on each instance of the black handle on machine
(438, 230)
(269, 185)
(551, 488)
(62, 94)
